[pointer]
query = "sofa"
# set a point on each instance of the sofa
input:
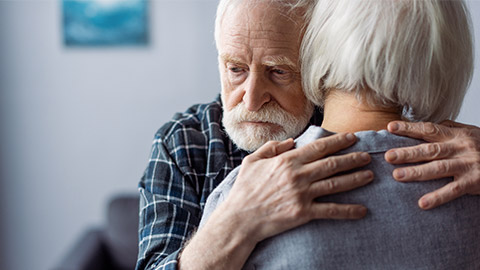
(113, 246)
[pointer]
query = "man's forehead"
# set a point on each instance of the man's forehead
(260, 17)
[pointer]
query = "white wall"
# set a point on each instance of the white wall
(76, 124)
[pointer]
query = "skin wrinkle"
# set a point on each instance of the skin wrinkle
(259, 67)
(275, 61)
(237, 40)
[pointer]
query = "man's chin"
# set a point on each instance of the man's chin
(250, 137)
(270, 129)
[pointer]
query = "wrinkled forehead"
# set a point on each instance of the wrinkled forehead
(262, 19)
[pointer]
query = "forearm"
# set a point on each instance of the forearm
(220, 244)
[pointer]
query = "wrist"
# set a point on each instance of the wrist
(219, 244)
(233, 225)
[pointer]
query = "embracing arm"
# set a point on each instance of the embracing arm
(452, 150)
(169, 210)
(274, 192)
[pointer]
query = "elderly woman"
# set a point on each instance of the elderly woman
(368, 63)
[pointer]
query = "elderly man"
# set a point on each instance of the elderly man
(262, 100)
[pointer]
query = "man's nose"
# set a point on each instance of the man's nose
(256, 92)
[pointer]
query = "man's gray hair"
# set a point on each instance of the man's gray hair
(288, 6)
(412, 54)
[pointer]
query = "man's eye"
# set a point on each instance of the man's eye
(235, 69)
(281, 75)
(279, 71)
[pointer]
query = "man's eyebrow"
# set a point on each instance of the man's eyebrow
(271, 61)
(227, 58)
(280, 61)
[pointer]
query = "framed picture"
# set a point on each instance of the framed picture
(105, 22)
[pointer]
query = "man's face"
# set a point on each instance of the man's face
(261, 84)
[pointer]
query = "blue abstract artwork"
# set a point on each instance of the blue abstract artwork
(105, 22)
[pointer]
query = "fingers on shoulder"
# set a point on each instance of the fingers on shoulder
(421, 152)
(323, 147)
(431, 170)
(421, 130)
(338, 211)
(327, 167)
(340, 183)
(272, 149)
(443, 195)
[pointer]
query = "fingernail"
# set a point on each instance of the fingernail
(394, 126)
(368, 174)
(424, 203)
(362, 211)
(399, 174)
(350, 137)
(392, 155)
(365, 156)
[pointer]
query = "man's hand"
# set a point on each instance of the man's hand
(276, 186)
(453, 150)
(275, 191)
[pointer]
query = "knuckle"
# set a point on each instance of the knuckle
(271, 144)
(470, 144)
(351, 212)
(456, 188)
(330, 185)
(341, 138)
(248, 159)
(297, 212)
(433, 149)
(409, 154)
(356, 178)
(357, 158)
(332, 211)
(318, 146)
(331, 164)
(406, 126)
(289, 179)
(414, 173)
(361, 177)
(442, 167)
(281, 161)
(430, 128)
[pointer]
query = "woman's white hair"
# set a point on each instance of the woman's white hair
(411, 54)
(288, 6)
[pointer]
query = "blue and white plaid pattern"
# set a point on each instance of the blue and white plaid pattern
(190, 156)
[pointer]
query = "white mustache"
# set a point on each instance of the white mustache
(269, 113)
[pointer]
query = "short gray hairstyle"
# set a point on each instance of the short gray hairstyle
(411, 54)
(289, 5)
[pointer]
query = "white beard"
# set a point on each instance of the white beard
(252, 137)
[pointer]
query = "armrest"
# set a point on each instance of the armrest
(88, 253)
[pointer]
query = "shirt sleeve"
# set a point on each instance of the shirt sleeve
(169, 209)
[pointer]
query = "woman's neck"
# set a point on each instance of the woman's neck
(343, 112)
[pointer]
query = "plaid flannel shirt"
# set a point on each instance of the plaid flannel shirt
(190, 156)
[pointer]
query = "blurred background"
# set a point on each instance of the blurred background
(76, 122)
